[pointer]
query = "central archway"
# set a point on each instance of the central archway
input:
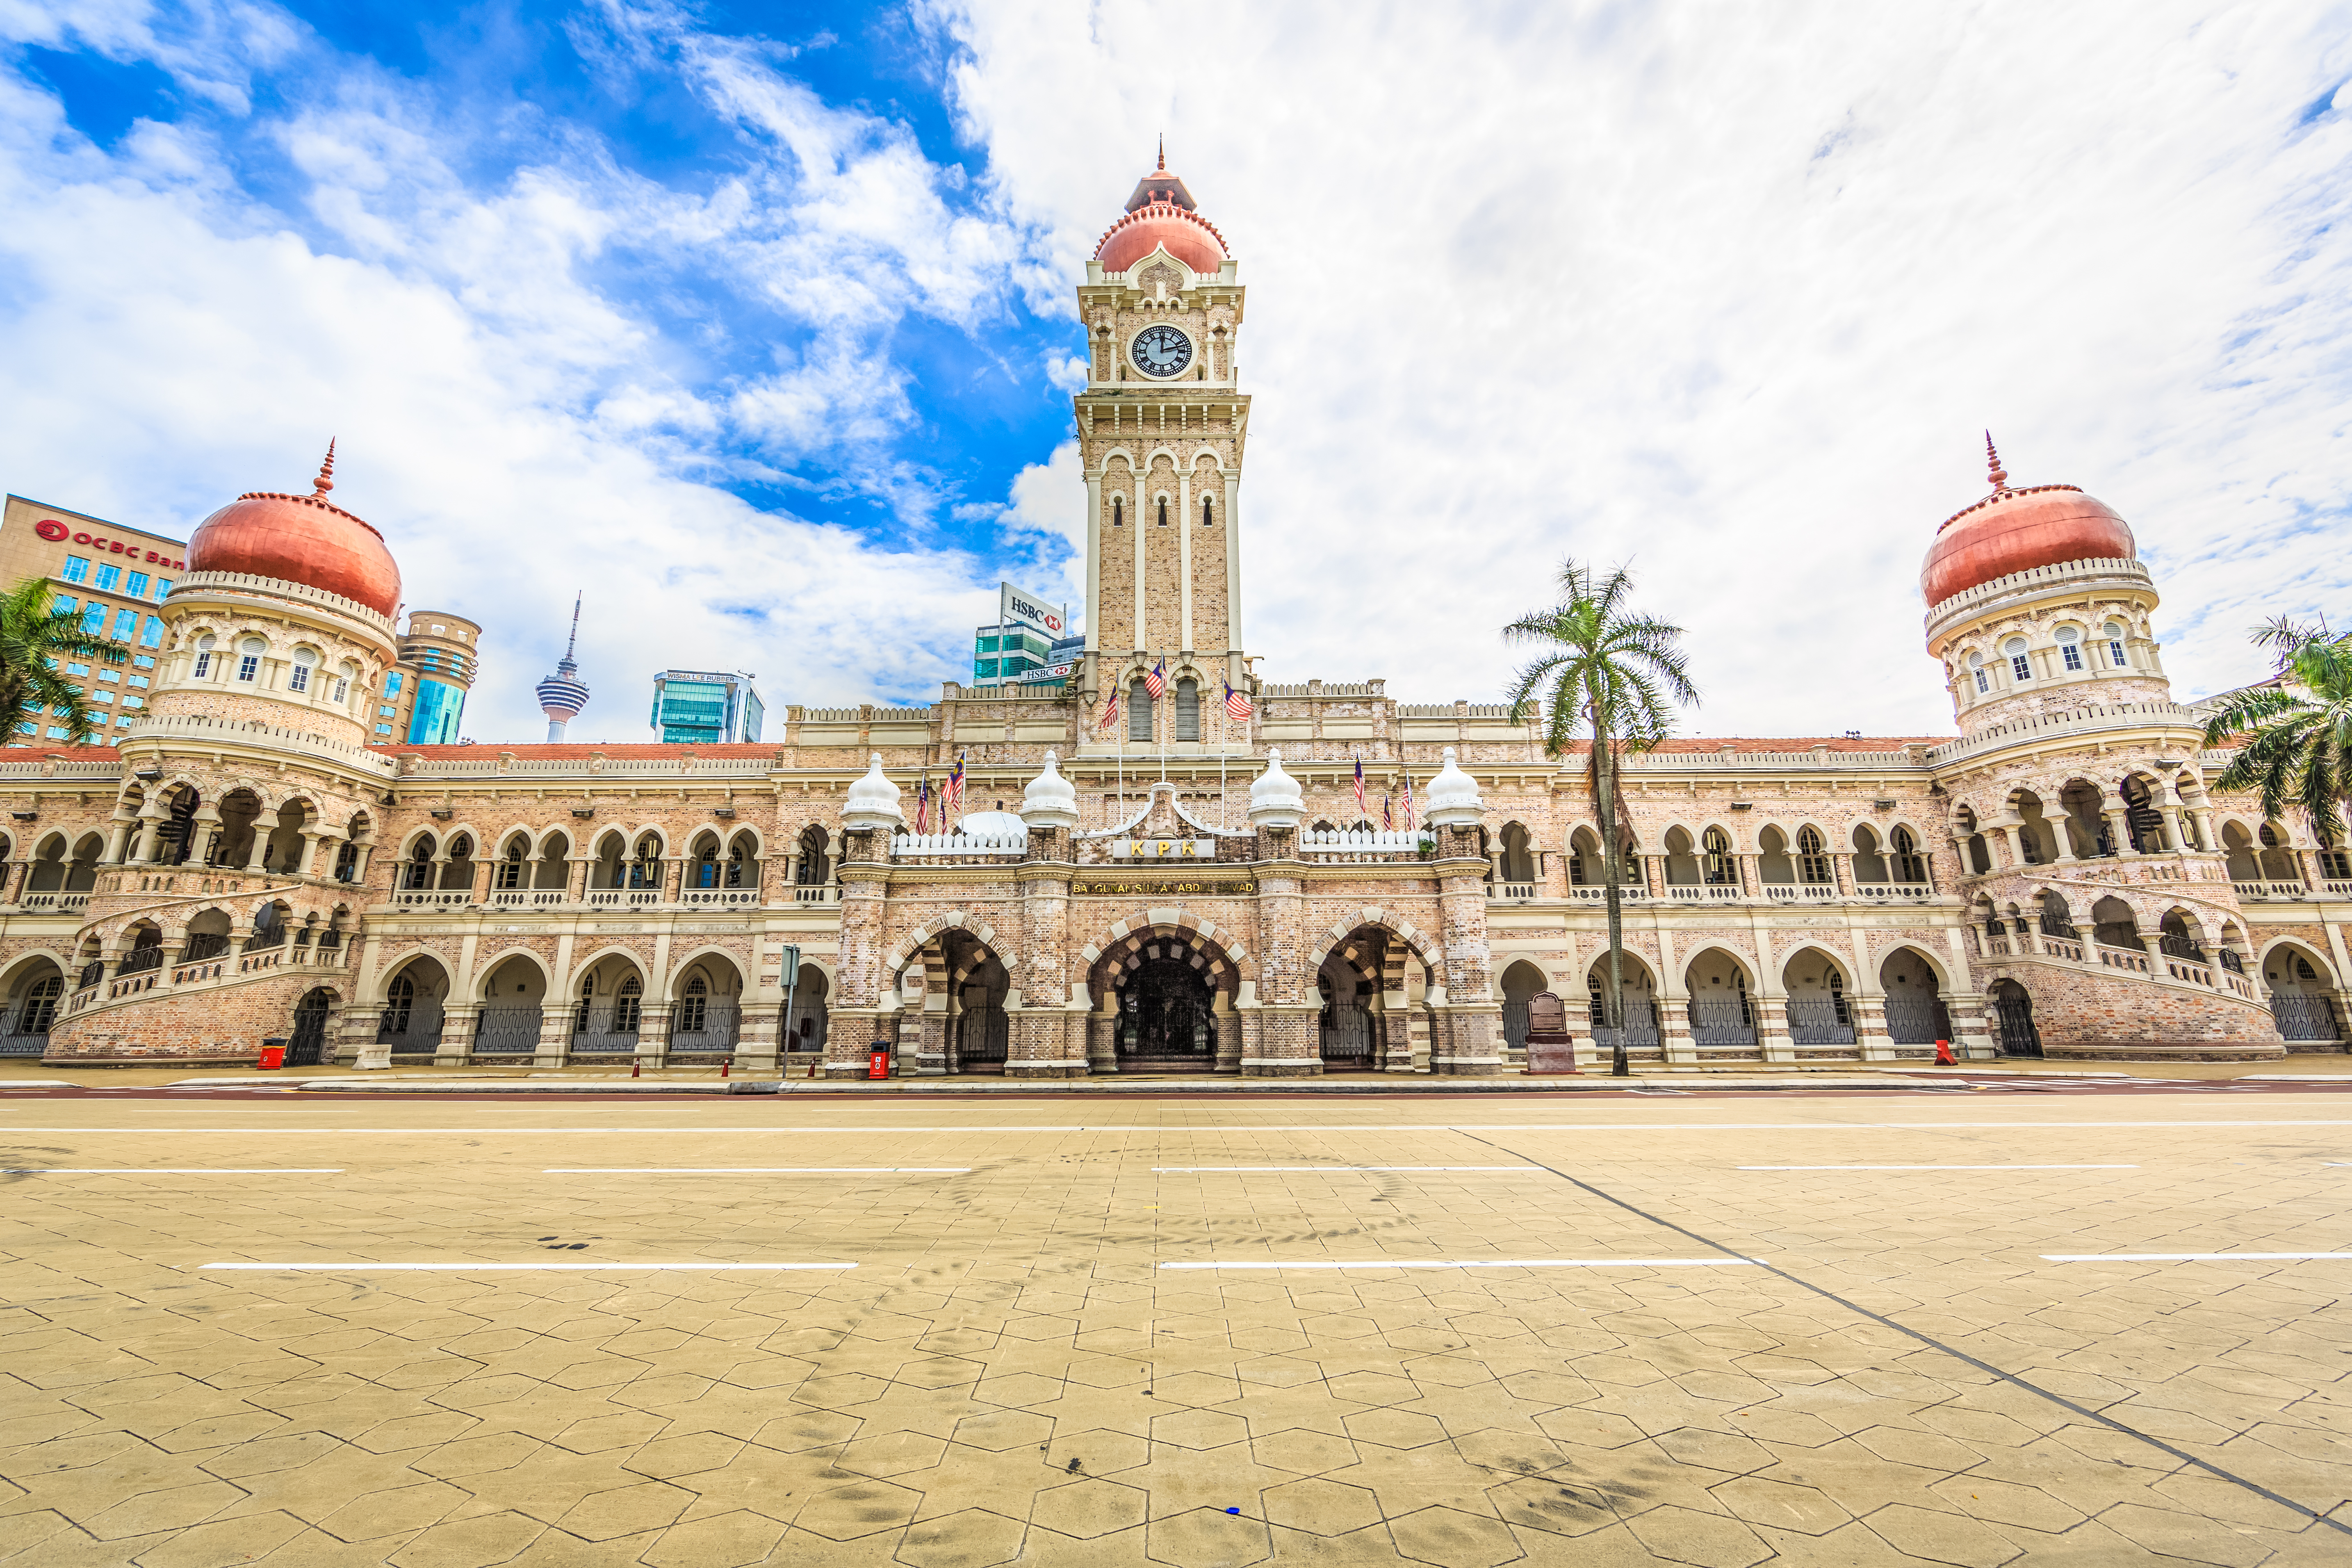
(1163, 998)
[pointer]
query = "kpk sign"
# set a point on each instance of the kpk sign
(1017, 605)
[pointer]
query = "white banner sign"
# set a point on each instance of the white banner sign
(1017, 605)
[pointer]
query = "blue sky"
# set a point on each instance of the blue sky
(754, 322)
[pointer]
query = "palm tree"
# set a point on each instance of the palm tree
(1610, 672)
(34, 641)
(2296, 729)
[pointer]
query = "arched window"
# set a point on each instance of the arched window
(1188, 710)
(739, 866)
(630, 1007)
(248, 658)
(1910, 865)
(510, 873)
(203, 656)
(587, 1000)
(1138, 713)
(706, 865)
(1163, 511)
(646, 870)
(1208, 519)
(400, 1000)
(41, 1006)
(2019, 666)
(418, 873)
(1117, 512)
(1812, 860)
(2112, 634)
(298, 677)
(2070, 647)
(692, 1006)
(347, 861)
(344, 674)
(1837, 998)
(1977, 673)
(1722, 870)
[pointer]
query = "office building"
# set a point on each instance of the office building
(114, 579)
(706, 707)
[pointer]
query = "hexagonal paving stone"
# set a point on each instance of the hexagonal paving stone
(843, 1391)
(1781, 1505)
(890, 1453)
(624, 1511)
(1320, 1508)
(2180, 1535)
(1195, 1388)
(1715, 1450)
(1199, 1429)
(862, 1508)
(1375, 1388)
(2000, 1502)
(1017, 1389)
(1709, 1539)
(1304, 1450)
(1542, 1503)
(972, 1539)
(1088, 1507)
(1453, 1538)
(799, 1430)
(999, 1430)
(667, 1457)
(1205, 1538)
(212, 1545)
(483, 1539)
(1108, 1371)
(1393, 1428)
(939, 1372)
(1099, 1450)
(1931, 1537)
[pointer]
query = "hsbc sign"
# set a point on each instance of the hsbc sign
(1016, 605)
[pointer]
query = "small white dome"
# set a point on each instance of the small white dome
(992, 825)
(1276, 800)
(1050, 800)
(1454, 797)
(873, 803)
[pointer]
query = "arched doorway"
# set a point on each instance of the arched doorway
(307, 1046)
(1344, 1029)
(611, 1006)
(413, 1004)
(706, 1013)
(1638, 1030)
(33, 997)
(1521, 981)
(804, 1030)
(1721, 1016)
(2299, 982)
(1820, 1013)
(1916, 1011)
(514, 1003)
(2012, 1012)
(1161, 994)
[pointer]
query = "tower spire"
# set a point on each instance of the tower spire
(573, 641)
(1163, 153)
(562, 695)
(326, 480)
(1998, 475)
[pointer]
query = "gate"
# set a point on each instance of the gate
(984, 1039)
(1917, 1021)
(307, 1046)
(1347, 1036)
(2013, 1010)
(507, 1030)
(1717, 1022)
(2301, 1015)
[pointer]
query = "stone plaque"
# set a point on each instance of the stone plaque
(1550, 1048)
(1240, 888)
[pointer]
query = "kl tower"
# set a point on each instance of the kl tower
(563, 694)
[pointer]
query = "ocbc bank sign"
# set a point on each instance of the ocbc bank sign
(55, 533)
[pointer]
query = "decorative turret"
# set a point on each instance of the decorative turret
(562, 695)
(1453, 799)
(1050, 800)
(1276, 800)
(873, 803)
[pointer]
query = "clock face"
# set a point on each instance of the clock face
(1162, 350)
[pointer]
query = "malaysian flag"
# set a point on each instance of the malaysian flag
(1408, 800)
(951, 796)
(1110, 712)
(1387, 821)
(923, 803)
(1237, 705)
(1360, 788)
(1156, 683)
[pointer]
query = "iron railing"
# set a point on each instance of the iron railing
(507, 1030)
(140, 960)
(1717, 1022)
(2302, 1017)
(1917, 1020)
(1641, 1025)
(205, 944)
(705, 1025)
(1816, 1021)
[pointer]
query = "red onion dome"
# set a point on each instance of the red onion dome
(2015, 530)
(300, 538)
(1161, 211)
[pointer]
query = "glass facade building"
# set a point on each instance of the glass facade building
(706, 707)
(434, 718)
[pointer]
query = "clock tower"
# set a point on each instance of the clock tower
(1160, 430)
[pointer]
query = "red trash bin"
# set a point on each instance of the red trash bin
(273, 1054)
(878, 1064)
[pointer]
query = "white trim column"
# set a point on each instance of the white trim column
(1185, 555)
(1137, 525)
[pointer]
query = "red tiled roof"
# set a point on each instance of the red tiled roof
(68, 754)
(1710, 743)
(569, 751)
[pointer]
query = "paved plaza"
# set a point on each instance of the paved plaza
(1661, 1327)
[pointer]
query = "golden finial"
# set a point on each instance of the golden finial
(326, 480)
(1992, 458)
(1163, 153)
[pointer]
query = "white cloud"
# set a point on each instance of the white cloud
(1729, 292)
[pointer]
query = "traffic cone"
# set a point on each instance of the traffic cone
(727, 1067)
(1944, 1057)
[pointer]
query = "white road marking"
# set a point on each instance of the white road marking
(755, 1170)
(174, 1170)
(1498, 1263)
(505, 1268)
(1322, 1128)
(1171, 1169)
(1936, 1167)
(2183, 1256)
